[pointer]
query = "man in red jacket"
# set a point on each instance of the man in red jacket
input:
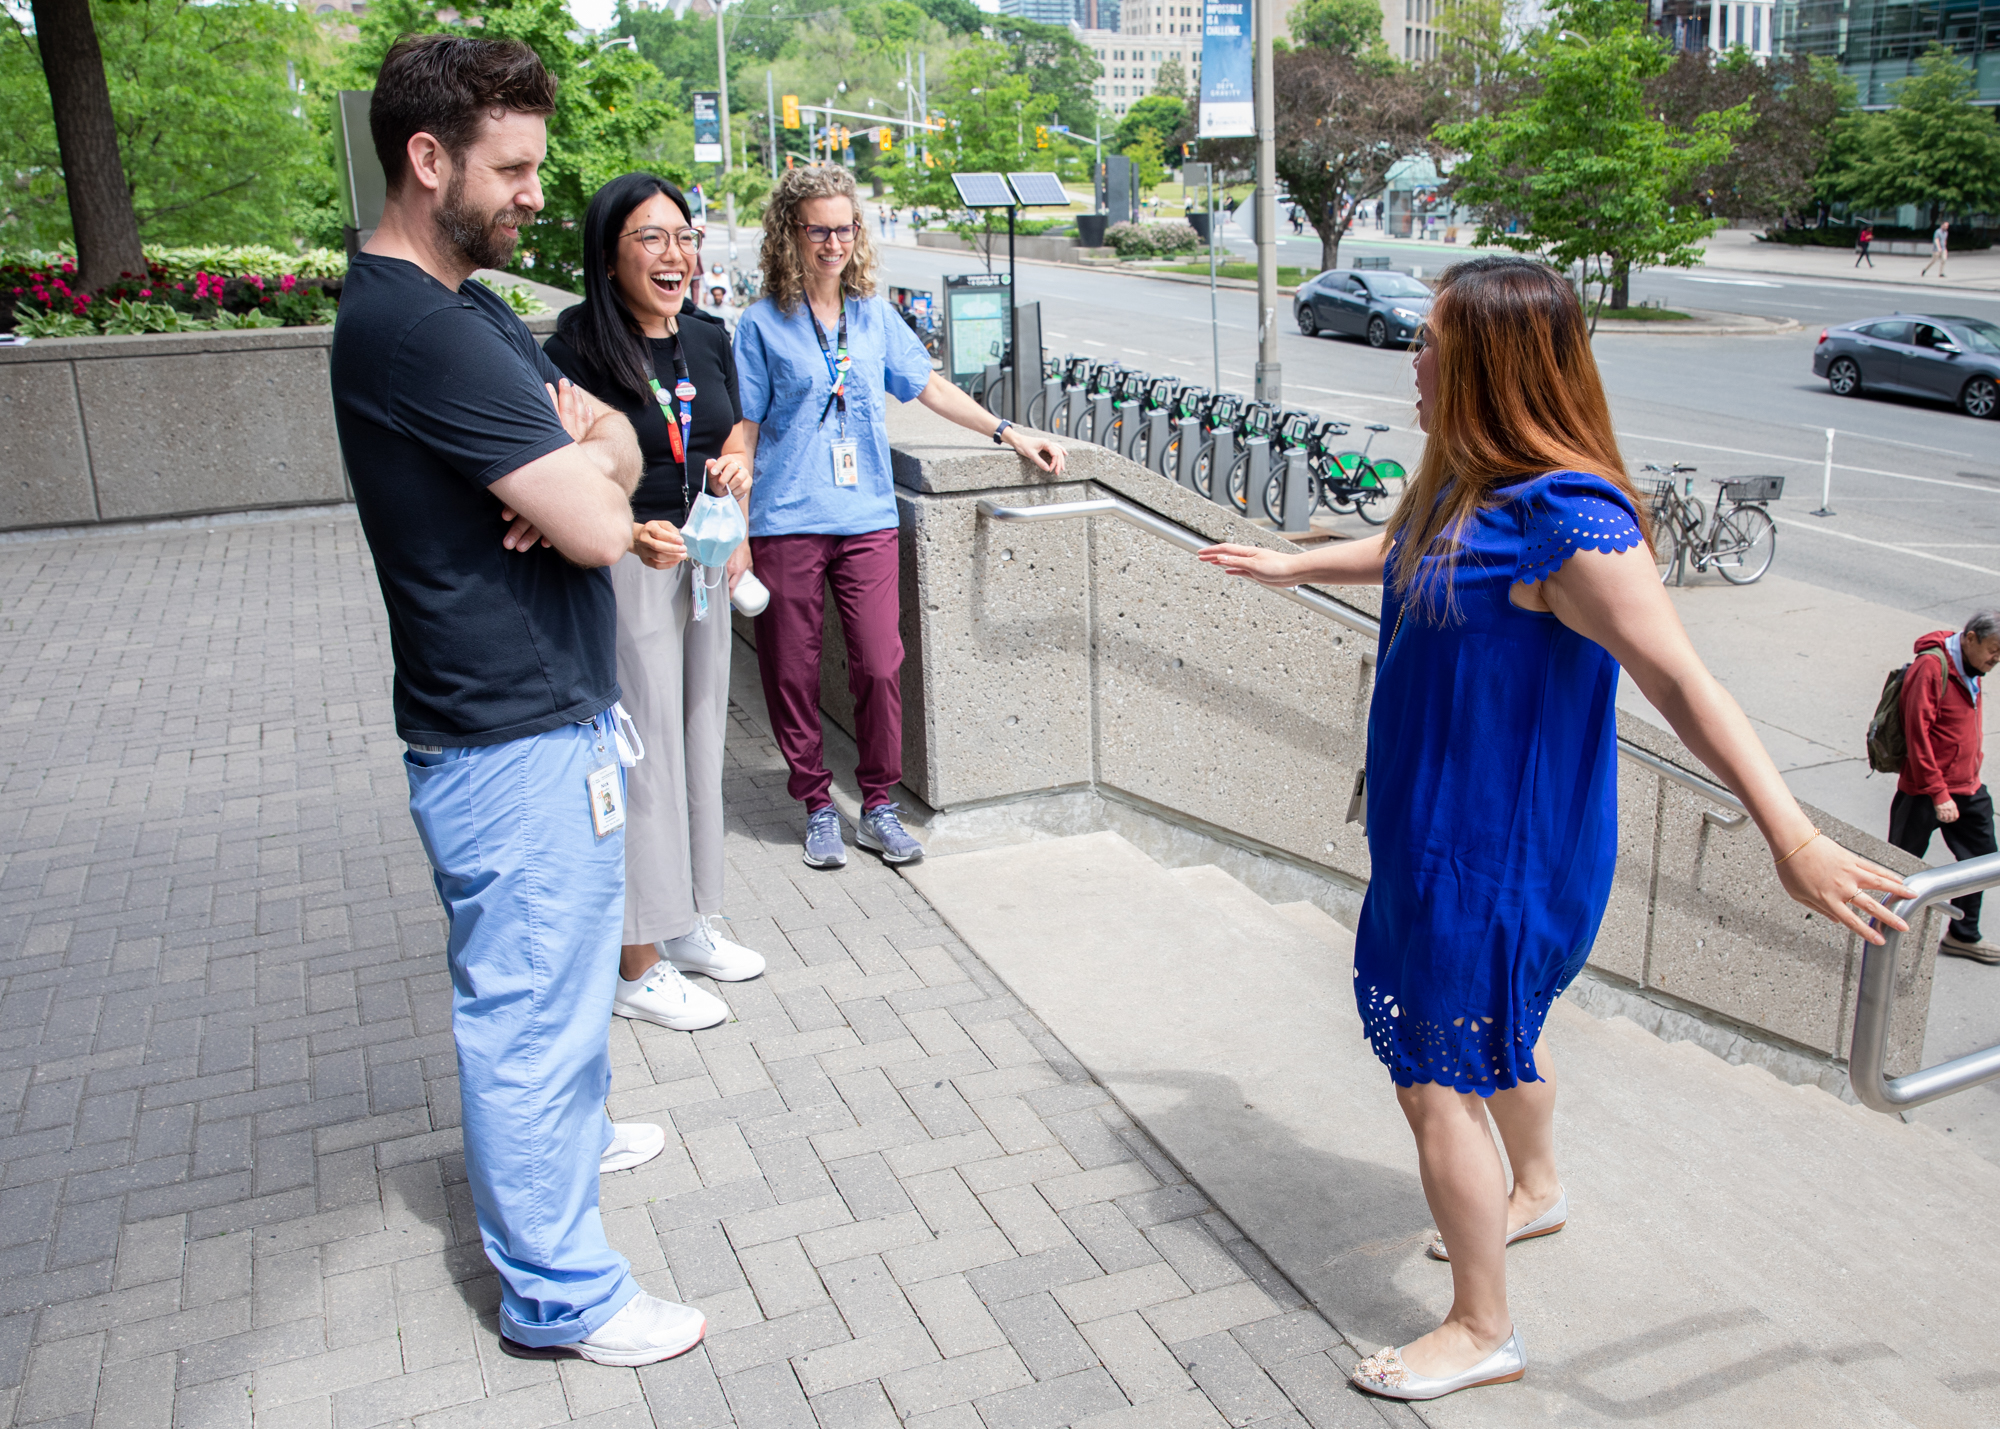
(1939, 788)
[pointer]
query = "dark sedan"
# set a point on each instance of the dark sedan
(1947, 359)
(1375, 304)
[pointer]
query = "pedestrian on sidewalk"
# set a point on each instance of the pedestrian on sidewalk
(816, 355)
(1516, 582)
(493, 493)
(1939, 789)
(1861, 242)
(1940, 248)
(629, 343)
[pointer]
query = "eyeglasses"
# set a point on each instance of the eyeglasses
(820, 233)
(655, 240)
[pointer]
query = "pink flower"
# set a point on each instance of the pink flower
(253, 278)
(145, 292)
(288, 282)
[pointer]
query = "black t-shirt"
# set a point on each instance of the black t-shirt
(716, 408)
(436, 395)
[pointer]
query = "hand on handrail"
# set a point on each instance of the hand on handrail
(1830, 880)
(1270, 568)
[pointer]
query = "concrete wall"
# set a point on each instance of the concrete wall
(1038, 246)
(1090, 655)
(102, 429)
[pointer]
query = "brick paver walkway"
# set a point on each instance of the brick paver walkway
(230, 1183)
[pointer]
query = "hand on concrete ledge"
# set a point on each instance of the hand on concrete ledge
(949, 402)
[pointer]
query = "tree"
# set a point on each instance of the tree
(604, 120)
(100, 204)
(1342, 125)
(1059, 67)
(1344, 27)
(1170, 81)
(1585, 171)
(1793, 105)
(1156, 115)
(1935, 150)
(217, 141)
(682, 47)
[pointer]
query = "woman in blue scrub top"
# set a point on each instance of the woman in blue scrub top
(816, 358)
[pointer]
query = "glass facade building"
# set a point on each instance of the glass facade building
(1877, 42)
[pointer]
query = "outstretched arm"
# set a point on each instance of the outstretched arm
(1616, 599)
(951, 403)
(1335, 563)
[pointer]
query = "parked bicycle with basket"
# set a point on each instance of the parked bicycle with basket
(1738, 538)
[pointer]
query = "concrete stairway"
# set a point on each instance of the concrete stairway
(1741, 1251)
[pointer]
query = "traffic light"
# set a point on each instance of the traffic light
(1041, 136)
(791, 102)
(885, 137)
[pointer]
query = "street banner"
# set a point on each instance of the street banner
(708, 126)
(1227, 59)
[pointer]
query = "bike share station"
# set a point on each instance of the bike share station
(1259, 461)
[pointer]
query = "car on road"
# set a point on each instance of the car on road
(1374, 304)
(1945, 358)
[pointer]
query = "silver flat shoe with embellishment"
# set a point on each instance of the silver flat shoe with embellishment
(1384, 1373)
(1547, 1223)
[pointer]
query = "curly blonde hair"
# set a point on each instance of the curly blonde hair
(784, 267)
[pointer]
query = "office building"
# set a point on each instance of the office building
(1877, 42)
(1129, 64)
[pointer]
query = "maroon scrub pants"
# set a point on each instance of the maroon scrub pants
(863, 572)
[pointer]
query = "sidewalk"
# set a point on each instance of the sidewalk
(231, 1188)
(1737, 250)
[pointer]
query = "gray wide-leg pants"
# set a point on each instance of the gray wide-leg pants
(673, 672)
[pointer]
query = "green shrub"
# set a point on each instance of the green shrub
(224, 321)
(55, 325)
(124, 317)
(521, 300)
(1151, 240)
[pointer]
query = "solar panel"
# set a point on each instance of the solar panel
(983, 191)
(1042, 190)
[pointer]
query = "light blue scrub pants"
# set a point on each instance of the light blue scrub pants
(536, 904)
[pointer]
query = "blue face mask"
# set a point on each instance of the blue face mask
(714, 529)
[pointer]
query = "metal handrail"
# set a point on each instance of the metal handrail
(1178, 535)
(1875, 1000)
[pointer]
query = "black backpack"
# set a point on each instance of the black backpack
(1887, 745)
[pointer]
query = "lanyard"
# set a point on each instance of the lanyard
(677, 434)
(837, 368)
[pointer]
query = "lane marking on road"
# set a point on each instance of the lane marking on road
(1815, 462)
(1731, 282)
(1884, 545)
(1136, 351)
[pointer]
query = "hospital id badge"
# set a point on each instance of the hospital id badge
(846, 463)
(607, 799)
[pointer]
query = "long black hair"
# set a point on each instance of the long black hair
(601, 329)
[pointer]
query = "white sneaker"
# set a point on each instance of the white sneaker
(704, 952)
(665, 997)
(633, 1143)
(644, 1331)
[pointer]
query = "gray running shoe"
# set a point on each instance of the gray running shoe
(824, 846)
(882, 830)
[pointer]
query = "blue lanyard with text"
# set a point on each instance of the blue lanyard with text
(837, 367)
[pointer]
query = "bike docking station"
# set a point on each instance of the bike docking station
(989, 364)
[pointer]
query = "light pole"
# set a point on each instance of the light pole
(1269, 377)
(722, 83)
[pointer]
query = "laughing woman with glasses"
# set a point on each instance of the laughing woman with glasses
(630, 343)
(817, 355)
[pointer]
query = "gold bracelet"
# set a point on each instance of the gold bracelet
(1780, 862)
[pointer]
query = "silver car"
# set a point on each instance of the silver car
(1948, 359)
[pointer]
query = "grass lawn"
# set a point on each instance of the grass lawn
(1643, 315)
(1287, 277)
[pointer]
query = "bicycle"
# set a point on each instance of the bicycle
(1739, 543)
(1258, 421)
(1359, 473)
(1190, 401)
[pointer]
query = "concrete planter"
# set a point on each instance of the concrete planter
(1047, 250)
(104, 429)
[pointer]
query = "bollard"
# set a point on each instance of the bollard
(1256, 471)
(1295, 504)
(1189, 431)
(1152, 431)
(1131, 421)
(1100, 417)
(1079, 410)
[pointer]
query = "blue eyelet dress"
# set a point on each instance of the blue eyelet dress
(1492, 796)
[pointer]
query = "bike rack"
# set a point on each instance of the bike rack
(1868, 1054)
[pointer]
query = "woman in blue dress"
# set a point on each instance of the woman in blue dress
(1516, 581)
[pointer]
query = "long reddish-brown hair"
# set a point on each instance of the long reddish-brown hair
(1517, 395)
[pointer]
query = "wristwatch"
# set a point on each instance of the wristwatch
(1004, 425)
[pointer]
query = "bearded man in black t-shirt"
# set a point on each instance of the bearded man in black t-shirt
(494, 494)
